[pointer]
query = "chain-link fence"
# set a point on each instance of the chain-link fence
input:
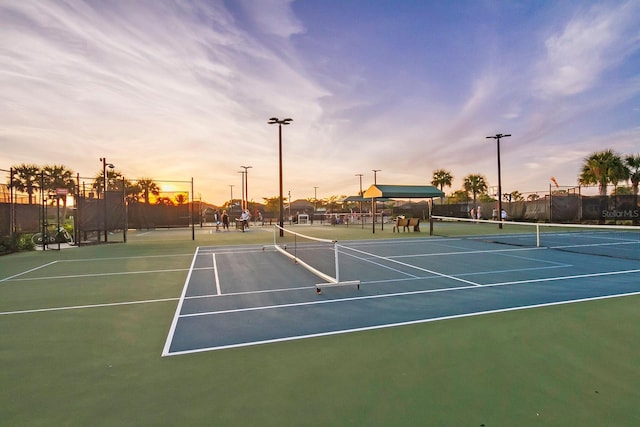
(91, 210)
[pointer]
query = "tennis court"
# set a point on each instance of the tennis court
(248, 295)
(84, 328)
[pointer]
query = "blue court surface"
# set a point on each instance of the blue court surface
(241, 296)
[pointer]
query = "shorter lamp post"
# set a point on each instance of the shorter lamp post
(104, 192)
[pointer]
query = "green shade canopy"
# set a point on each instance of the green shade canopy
(402, 191)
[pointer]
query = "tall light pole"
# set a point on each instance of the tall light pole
(231, 202)
(104, 192)
(360, 175)
(280, 123)
(497, 138)
(242, 190)
(373, 201)
(315, 200)
(375, 172)
(360, 202)
(246, 185)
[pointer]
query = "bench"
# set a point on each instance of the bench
(406, 223)
(401, 222)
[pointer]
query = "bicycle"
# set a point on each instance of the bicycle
(53, 236)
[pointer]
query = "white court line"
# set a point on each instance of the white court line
(468, 252)
(174, 323)
(392, 325)
(79, 307)
(28, 271)
(215, 272)
(413, 266)
(370, 282)
(119, 273)
(123, 257)
(210, 249)
(406, 293)
(380, 265)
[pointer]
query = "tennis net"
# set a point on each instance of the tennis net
(615, 241)
(320, 256)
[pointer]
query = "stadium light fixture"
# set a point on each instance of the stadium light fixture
(497, 137)
(280, 123)
(375, 175)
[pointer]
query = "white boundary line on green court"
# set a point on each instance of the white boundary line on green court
(408, 323)
(176, 316)
(119, 273)
(6, 279)
(123, 257)
(78, 307)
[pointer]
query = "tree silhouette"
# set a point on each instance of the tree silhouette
(603, 168)
(26, 177)
(58, 176)
(148, 187)
(632, 163)
(442, 177)
(476, 184)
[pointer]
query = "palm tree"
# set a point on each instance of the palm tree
(516, 196)
(441, 178)
(113, 181)
(58, 176)
(632, 162)
(181, 199)
(166, 201)
(26, 178)
(476, 184)
(602, 168)
(148, 186)
(133, 193)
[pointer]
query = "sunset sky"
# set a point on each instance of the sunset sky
(179, 89)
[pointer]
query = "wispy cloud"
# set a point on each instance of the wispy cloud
(175, 89)
(591, 43)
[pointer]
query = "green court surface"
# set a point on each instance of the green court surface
(83, 330)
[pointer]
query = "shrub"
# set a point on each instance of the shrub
(20, 242)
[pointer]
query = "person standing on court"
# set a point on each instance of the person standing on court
(245, 219)
(225, 220)
(216, 219)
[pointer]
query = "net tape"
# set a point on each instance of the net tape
(617, 241)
